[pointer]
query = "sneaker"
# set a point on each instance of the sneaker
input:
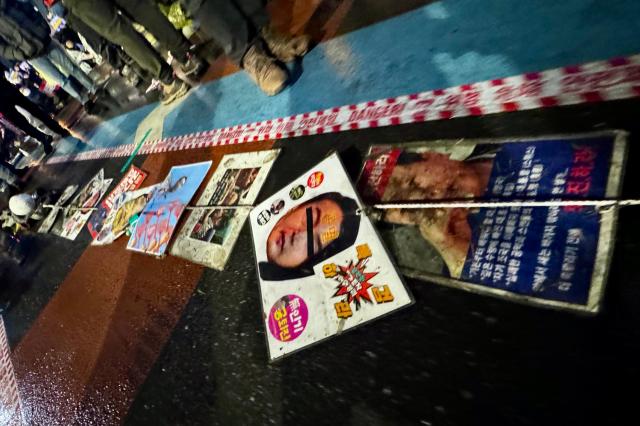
(154, 85)
(264, 70)
(284, 47)
(194, 67)
(174, 91)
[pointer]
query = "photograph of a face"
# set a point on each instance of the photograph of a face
(322, 267)
(209, 234)
(454, 174)
(232, 189)
(308, 234)
(549, 256)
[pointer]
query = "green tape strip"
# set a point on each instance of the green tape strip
(135, 152)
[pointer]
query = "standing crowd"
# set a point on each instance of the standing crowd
(52, 51)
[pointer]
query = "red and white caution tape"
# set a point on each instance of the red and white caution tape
(593, 82)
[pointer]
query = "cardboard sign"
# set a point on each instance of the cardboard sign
(86, 199)
(125, 207)
(322, 267)
(130, 182)
(552, 256)
(209, 235)
(167, 202)
(47, 223)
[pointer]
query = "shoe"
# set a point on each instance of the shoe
(194, 68)
(154, 85)
(284, 47)
(174, 91)
(264, 70)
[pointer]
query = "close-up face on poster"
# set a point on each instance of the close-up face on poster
(209, 234)
(555, 256)
(321, 266)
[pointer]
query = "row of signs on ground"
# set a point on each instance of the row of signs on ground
(323, 268)
(151, 214)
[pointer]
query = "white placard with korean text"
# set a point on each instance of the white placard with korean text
(322, 267)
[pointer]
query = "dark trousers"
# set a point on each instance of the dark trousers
(103, 17)
(233, 24)
(18, 99)
(18, 120)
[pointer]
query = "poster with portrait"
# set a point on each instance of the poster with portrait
(160, 216)
(552, 256)
(209, 235)
(322, 267)
(124, 210)
(47, 223)
(82, 205)
(131, 181)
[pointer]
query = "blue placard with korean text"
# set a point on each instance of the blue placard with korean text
(553, 256)
(547, 252)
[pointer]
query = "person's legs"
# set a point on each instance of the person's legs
(8, 174)
(226, 23)
(147, 13)
(283, 46)
(38, 113)
(241, 28)
(23, 124)
(44, 66)
(255, 11)
(36, 123)
(102, 16)
(236, 24)
(61, 60)
(229, 26)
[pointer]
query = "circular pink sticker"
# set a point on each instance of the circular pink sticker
(288, 318)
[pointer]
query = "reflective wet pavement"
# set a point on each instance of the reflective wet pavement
(452, 358)
(106, 336)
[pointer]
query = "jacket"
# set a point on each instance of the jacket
(24, 33)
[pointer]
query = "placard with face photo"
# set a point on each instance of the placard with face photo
(322, 267)
(209, 234)
(82, 205)
(554, 256)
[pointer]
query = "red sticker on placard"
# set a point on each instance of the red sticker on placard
(377, 171)
(315, 180)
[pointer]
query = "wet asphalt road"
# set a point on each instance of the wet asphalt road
(453, 358)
